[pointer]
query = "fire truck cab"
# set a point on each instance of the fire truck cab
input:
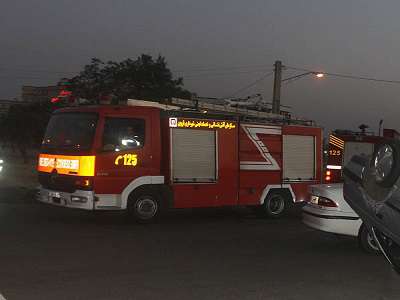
(145, 158)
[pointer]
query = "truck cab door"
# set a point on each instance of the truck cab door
(123, 154)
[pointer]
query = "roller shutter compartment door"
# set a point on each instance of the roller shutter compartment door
(193, 155)
(298, 158)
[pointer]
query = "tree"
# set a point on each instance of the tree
(143, 78)
(24, 125)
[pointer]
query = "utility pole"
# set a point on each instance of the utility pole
(276, 99)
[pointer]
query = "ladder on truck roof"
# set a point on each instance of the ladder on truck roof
(245, 114)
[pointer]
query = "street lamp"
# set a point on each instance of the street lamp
(316, 74)
(276, 99)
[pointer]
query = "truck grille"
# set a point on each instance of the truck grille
(62, 183)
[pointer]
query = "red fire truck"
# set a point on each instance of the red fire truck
(343, 144)
(146, 157)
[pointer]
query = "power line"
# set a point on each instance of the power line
(222, 74)
(196, 70)
(202, 69)
(251, 84)
(348, 76)
(200, 74)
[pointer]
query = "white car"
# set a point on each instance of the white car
(328, 211)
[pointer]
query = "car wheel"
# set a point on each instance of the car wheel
(366, 241)
(385, 164)
(144, 207)
(275, 205)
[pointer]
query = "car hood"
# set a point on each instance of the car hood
(333, 192)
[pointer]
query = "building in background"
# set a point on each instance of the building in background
(39, 94)
(6, 104)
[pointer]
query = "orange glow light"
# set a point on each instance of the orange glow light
(328, 178)
(67, 165)
(328, 173)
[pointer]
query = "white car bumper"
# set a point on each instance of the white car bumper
(79, 199)
(331, 221)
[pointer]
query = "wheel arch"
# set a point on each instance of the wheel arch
(283, 188)
(144, 182)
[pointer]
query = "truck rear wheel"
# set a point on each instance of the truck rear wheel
(144, 206)
(275, 205)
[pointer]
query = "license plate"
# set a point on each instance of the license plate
(54, 195)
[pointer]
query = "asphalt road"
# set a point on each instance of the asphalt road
(54, 253)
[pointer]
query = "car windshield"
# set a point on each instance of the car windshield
(71, 131)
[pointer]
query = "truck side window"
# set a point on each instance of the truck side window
(123, 134)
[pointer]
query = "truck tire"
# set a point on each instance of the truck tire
(144, 206)
(275, 205)
(366, 241)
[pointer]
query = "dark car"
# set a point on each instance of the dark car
(372, 189)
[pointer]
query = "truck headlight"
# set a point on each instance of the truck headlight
(79, 199)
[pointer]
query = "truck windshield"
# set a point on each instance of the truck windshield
(70, 131)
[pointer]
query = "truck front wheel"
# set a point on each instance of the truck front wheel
(143, 206)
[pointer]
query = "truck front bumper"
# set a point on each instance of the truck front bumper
(78, 199)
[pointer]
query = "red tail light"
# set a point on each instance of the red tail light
(322, 201)
(326, 202)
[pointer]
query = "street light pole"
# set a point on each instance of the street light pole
(276, 99)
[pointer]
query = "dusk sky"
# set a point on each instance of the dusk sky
(219, 47)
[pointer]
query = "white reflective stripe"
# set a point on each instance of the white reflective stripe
(136, 183)
(257, 166)
(252, 133)
(333, 167)
(108, 200)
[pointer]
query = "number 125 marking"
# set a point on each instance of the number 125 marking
(128, 160)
